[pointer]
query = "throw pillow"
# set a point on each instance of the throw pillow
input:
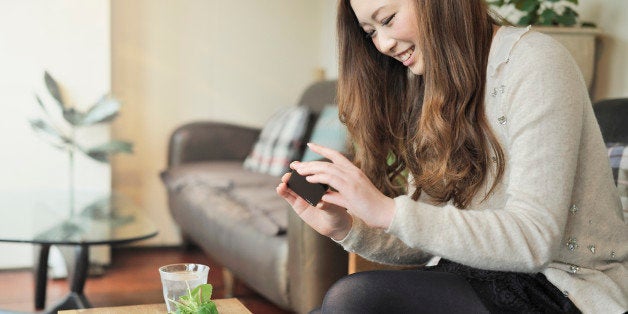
(279, 141)
(328, 131)
(618, 156)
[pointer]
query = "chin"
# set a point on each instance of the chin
(418, 67)
(417, 70)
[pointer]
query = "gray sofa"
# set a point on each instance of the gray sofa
(235, 216)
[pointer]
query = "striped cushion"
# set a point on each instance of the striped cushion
(279, 141)
(618, 155)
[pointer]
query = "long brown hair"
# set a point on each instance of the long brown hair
(432, 126)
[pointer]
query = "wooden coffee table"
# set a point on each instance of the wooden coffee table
(225, 306)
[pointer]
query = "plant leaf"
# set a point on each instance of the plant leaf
(208, 308)
(73, 116)
(104, 110)
(497, 3)
(53, 88)
(102, 152)
(547, 17)
(525, 20)
(568, 18)
(51, 134)
(202, 293)
(528, 5)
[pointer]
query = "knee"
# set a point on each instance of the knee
(355, 293)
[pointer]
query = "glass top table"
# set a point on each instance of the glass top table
(47, 219)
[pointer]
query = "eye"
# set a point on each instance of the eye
(387, 20)
(370, 34)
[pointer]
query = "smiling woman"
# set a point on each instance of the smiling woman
(447, 111)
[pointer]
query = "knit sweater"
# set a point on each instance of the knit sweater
(556, 210)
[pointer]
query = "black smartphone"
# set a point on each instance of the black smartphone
(310, 192)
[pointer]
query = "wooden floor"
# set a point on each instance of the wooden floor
(132, 278)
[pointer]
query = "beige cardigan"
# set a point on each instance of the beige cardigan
(556, 211)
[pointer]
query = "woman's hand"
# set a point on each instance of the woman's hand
(353, 190)
(327, 219)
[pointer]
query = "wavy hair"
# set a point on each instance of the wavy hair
(432, 126)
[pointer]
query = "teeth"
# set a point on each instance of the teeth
(406, 55)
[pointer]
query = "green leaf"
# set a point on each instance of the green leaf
(208, 308)
(104, 110)
(497, 3)
(525, 20)
(53, 88)
(202, 292)
(50, 133)
(573, 1)
(528, 5)
(568, 18)
(102, 152)
(547, 17)
(73, 116)
(41, 104)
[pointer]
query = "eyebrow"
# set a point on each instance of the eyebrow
(374, 15)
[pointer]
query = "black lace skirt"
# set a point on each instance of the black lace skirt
(509, 292)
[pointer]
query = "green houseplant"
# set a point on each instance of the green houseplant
(537, 12)
(59, 128)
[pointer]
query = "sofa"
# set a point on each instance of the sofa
(218, 205)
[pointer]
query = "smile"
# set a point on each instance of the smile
(405, 56)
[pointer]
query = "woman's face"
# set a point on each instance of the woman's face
(392, 25)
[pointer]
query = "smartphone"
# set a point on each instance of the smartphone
(310, 192)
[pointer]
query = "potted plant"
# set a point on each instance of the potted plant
(538, 12)
(559, 19)
(59, 127)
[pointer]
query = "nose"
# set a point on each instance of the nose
(385, 43)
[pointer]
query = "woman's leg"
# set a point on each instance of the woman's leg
(402, 291)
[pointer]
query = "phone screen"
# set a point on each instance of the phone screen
(310, 192)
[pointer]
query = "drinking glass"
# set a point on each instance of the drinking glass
(176, 279)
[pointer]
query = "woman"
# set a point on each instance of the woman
(487, 161)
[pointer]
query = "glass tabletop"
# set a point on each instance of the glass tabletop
(46, 218)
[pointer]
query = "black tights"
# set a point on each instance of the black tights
(405, 291)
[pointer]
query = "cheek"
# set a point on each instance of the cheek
(418, 68)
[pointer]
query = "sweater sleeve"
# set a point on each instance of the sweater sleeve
(375, 244)
(544, 100)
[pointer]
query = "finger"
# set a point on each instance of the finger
(335, 198)
(285, 177)
(335, 180)
(283, 191)
(331, 154)
(312, 167)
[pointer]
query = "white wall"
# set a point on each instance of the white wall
(612, 67)
(71, 40)
(180, 61)
(329, 45)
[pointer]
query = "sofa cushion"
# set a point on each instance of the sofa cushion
(618, 156)
(245, 197)
(328, 131)
(279, 141)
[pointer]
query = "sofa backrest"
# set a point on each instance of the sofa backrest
(319, 94)
(612, 116)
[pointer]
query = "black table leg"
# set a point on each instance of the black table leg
(81, 265)
(41, 276)
(76, 299)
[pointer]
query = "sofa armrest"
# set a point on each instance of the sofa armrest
(200, 141)
(315, 263)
